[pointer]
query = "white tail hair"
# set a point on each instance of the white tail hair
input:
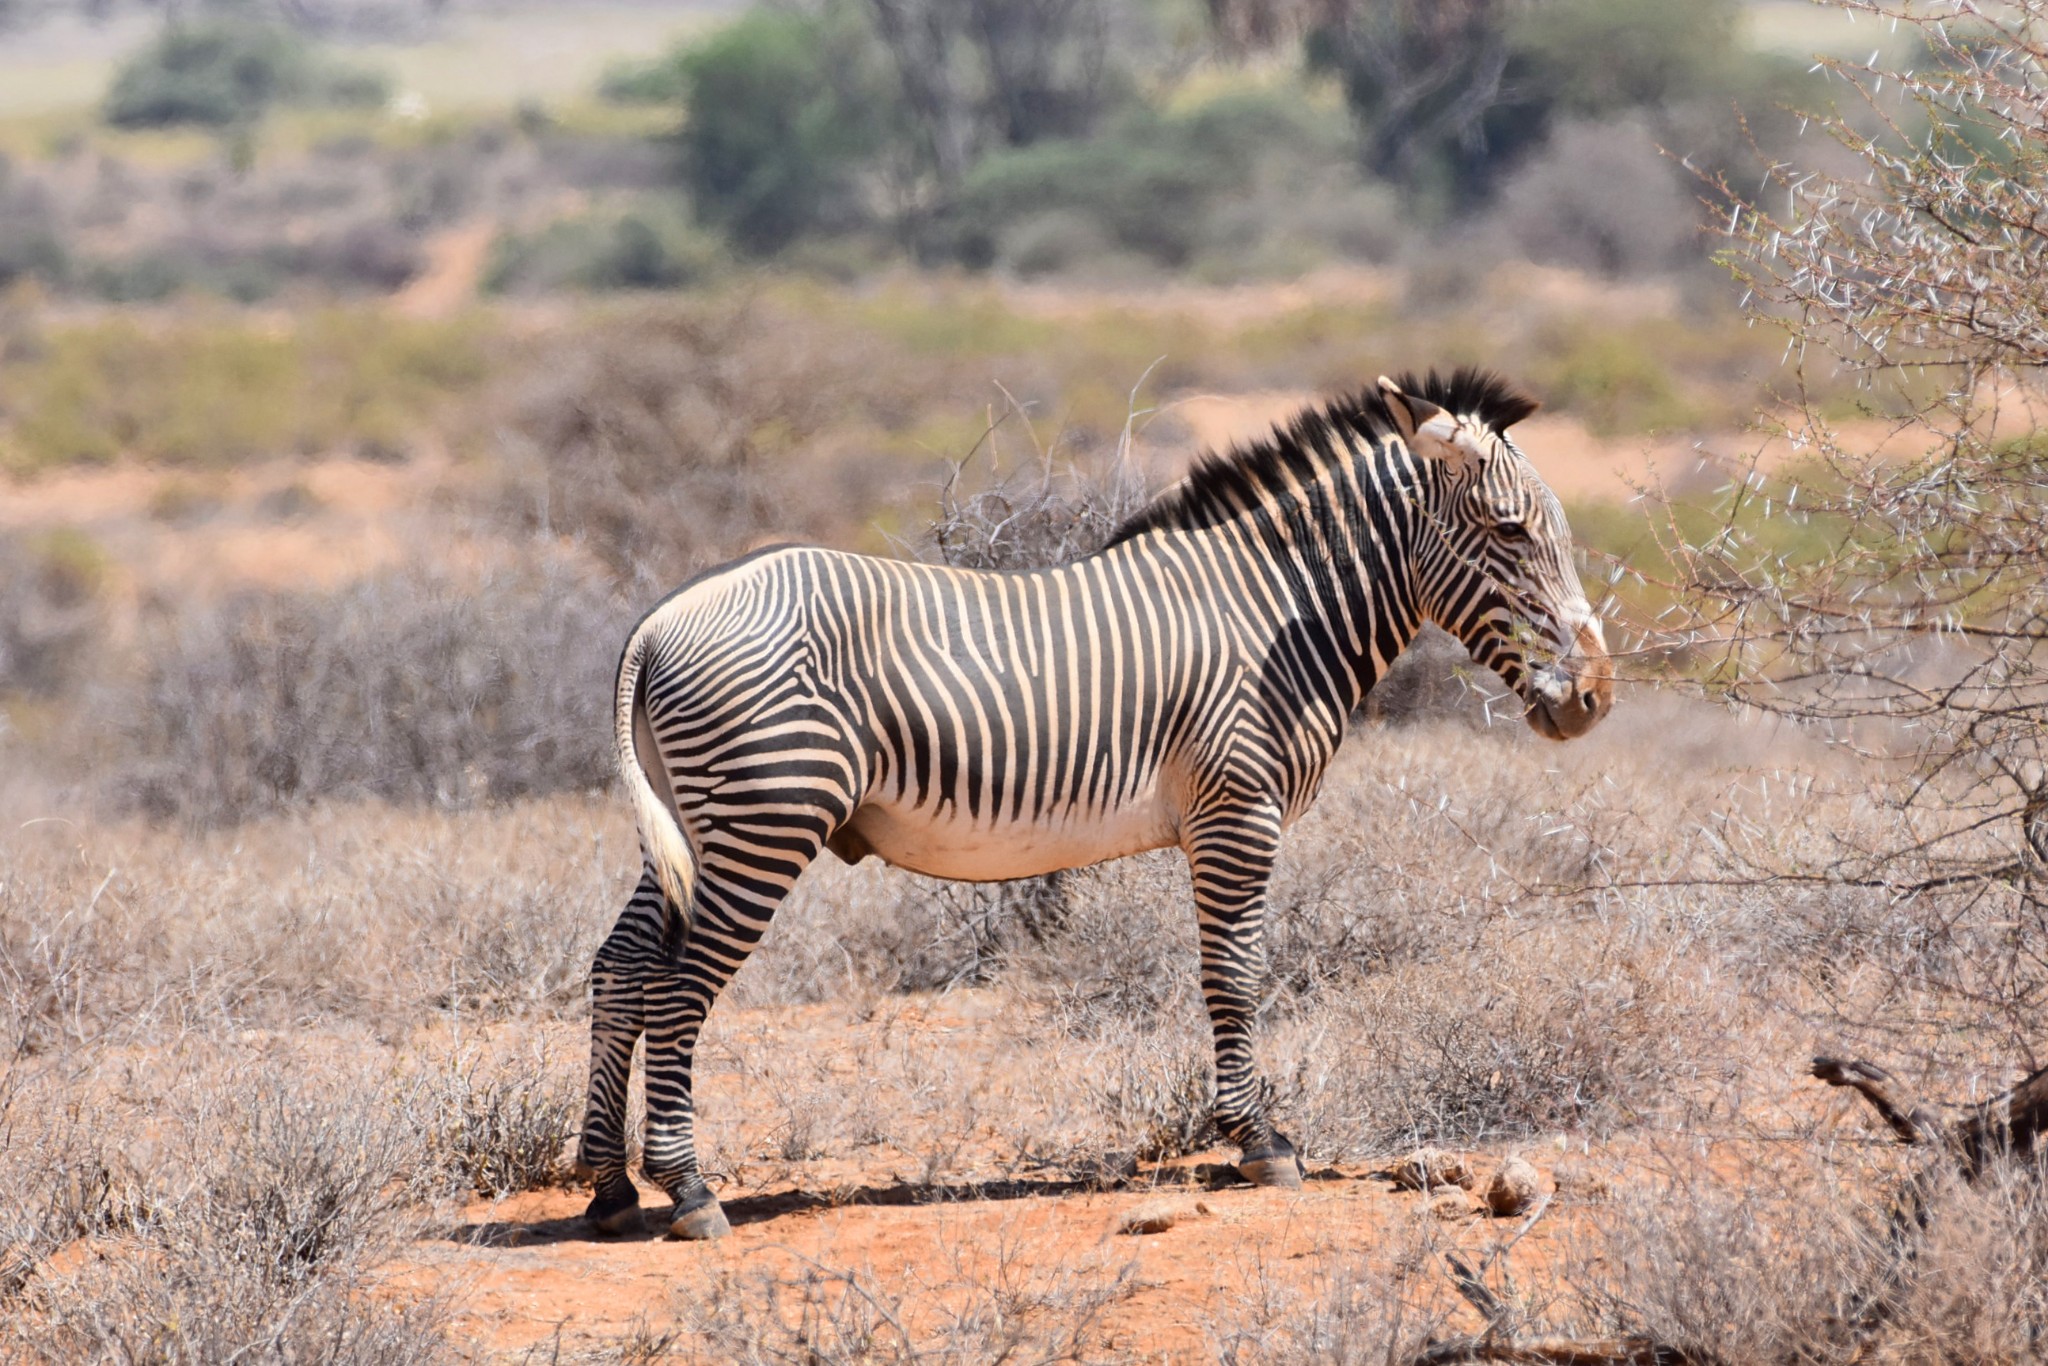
(661, 834)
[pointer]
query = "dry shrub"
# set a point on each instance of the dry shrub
(1055, 511)
(1435, 678)
(369, 913)
(52, 614)
(663, 442)
(496, 1125)
(60, 1180)
(1809, 1269)
(997, 1297)
(270, 1202)
(415, 686)
(1601, 197)
(1344, 1312)
(1123, 957)
(1160, 1099)
(1453, 1054)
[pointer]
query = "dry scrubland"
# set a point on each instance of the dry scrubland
(283, 1085)
(309, 843)
(328, 489)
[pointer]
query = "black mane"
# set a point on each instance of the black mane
(1223, 484)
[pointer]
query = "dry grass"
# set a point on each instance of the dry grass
(418, 686)
(378, 1008)
(267, 1041)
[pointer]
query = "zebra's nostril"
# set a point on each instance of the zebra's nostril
(1589, 701)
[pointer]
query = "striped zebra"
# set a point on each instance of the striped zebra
(1188, 685)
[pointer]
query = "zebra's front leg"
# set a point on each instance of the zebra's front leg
(618, 978)
(1230, 857)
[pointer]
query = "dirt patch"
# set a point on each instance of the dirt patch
(935, 1251)
(455, 267)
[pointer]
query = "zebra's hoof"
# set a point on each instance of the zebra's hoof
(707, 1220)
(624, 1223)
(616, 1212)
(1276, 1165)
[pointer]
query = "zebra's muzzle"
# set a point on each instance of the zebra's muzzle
(1569, 696)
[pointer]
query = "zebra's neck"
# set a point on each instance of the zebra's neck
(1331, 540)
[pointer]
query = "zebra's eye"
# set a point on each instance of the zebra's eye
(1512, 531)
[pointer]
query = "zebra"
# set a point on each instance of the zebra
(1187, 685)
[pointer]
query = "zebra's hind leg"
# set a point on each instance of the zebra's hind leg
(748, 866)
(1230, 858)
(629, 954)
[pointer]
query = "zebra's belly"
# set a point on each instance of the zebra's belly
(941, 843)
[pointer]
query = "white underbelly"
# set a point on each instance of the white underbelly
(948, 844)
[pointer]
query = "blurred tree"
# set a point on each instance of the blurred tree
(874, 109)
(1916, 628)
(229, 71)
(974, 76)
(1447, 93)
(1599, 57)
(1420, 77)
(780, 114)
(217, 72)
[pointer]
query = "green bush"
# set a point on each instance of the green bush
(30, 244)
(651, 80)
(1612, 382)
(778, 123)
(226, 71)
(1595, 57)
(1149, 184)
(642, 248)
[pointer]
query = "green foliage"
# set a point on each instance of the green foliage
(1149, 184)
(1449, 94)
(150, 277)
(651, 80)
(30, 244)
(214, 393)
(1595, 57)
(1612, 383)
(644, 248)
(776, 128)
(227, 71)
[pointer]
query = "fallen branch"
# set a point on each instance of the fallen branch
(2009, 1123)
(1910, 1122)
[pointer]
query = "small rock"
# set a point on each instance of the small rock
(1157, 1216)
(1578, 1179)
(1428, 1168)
(1513, 1189)
(1453, 1203)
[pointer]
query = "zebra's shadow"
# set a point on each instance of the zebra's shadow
(741, 1210)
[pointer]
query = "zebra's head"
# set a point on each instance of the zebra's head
(1499, 574)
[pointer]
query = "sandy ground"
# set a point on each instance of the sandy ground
(935, 1249)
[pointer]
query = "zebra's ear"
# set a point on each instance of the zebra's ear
(1427, 430)
(1410, 411)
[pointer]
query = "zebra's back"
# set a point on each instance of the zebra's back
(975, 725)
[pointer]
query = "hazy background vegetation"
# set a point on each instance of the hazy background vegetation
(367, 366)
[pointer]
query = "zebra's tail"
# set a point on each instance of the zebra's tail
(640, 764)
